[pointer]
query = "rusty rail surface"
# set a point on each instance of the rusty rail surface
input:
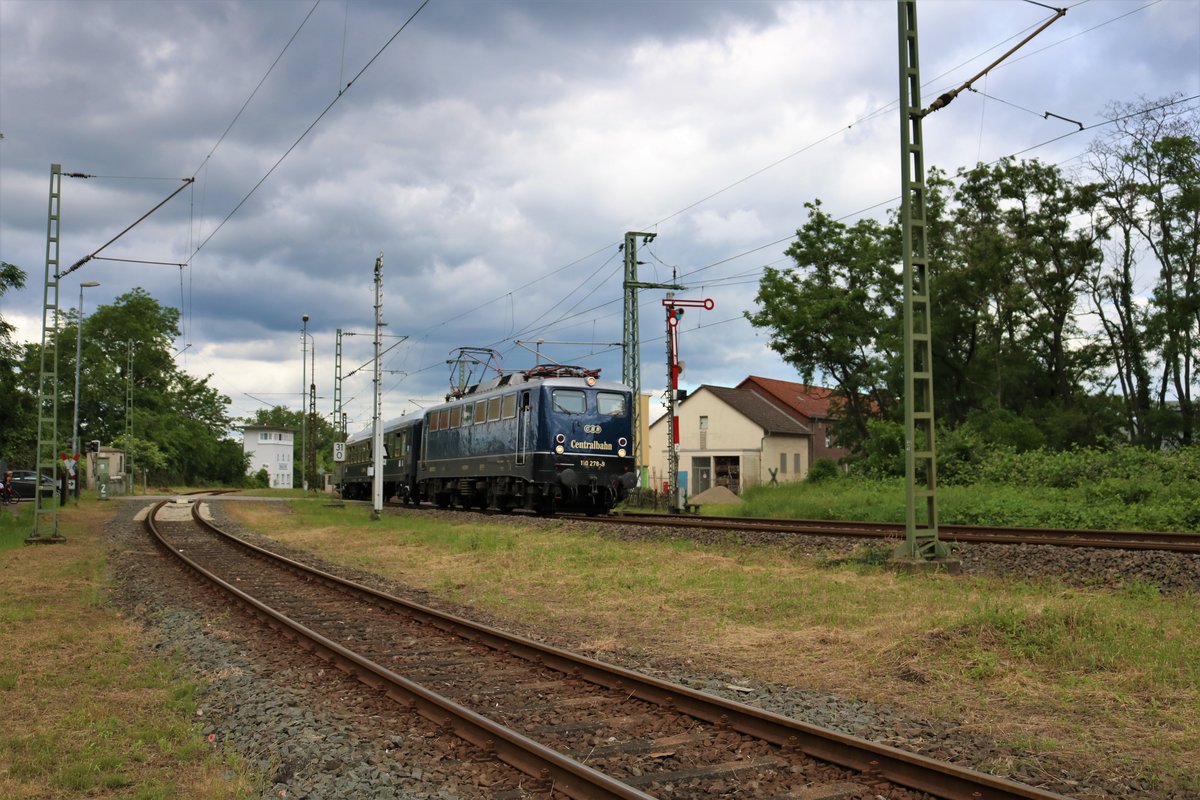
(917, 772)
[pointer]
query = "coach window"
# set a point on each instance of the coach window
(510, 406)
(493, 409)
(610, 404)
(456, 417)
(481, 412)
(569, 401)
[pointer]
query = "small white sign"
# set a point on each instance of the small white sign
(339, 451)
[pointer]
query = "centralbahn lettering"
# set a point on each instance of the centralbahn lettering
(606, 446)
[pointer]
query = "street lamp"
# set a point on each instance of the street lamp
(304, 403)
(78, 356)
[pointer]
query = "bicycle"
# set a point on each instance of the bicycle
(8, 496)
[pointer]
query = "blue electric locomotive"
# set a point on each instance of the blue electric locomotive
(547, 439)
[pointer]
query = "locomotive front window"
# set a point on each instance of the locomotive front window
(610, 404)
(569, 401)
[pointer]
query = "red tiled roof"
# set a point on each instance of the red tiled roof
(810, 402)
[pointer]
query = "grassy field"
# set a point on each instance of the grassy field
(85, 710)
(1103, 507)
(1109, 681)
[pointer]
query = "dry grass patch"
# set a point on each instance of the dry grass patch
(83, 709)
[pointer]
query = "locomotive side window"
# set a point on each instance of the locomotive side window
(431, 422)
(481, 412)
(493, 409)
(510, 406)
(443, 419)
(610, 404)
(456, 416)
(569, 401)
(468, 414)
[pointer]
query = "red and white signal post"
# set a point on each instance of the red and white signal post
(675, 307)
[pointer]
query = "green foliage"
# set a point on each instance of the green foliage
(259, 480)
(835, 312)
(883, 451)
(823, 470)
(179, 422)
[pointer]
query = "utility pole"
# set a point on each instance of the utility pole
(45, 519)
(129, 417)
(921, 542)
(303, 395)
(339, 421)
(631, 357)
(377, 430)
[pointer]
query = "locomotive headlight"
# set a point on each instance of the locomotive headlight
(560, 438)
(591, 381)
(621, 453)
(559, 449)
(622, 442)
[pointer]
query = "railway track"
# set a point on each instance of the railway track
(1123, 540)
(579, 727)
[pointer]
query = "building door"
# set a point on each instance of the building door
(702, 469)
(727, 472)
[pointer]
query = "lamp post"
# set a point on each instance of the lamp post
(304, 404)
(78, 356)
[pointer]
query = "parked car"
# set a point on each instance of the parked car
(23, 481)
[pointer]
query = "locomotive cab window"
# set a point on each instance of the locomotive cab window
(569, 401)
(610, 404)
(510, 406)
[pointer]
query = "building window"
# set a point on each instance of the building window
(828, 438)
(783, 463)
(703, 423)
(796, 463)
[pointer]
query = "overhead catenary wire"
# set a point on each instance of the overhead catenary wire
(341, 92)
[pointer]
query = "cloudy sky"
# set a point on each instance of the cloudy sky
(496, 153)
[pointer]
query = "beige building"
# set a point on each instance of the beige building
(733, 438)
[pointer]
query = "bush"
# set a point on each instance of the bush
(823, 469)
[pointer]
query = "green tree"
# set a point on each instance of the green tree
(16, 403)
(180, 424)
(834, 313)
(1150, 170)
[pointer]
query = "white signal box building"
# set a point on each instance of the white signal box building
(270, 448)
